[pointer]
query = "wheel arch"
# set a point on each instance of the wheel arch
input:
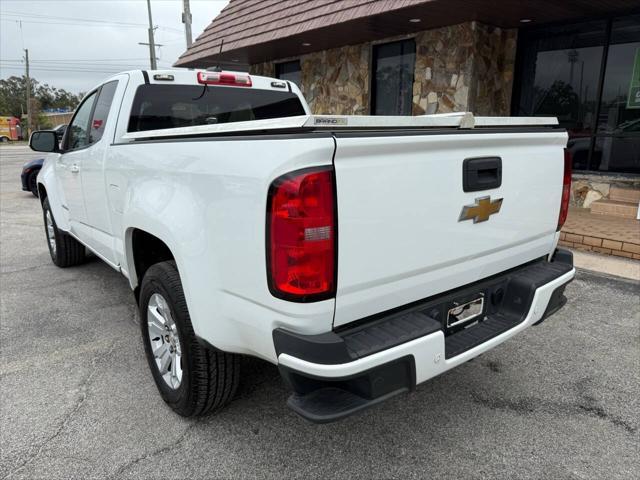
(48, 188)
(142, 250)
(42, 192)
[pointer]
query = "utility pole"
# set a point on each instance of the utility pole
(26, 59)
(186, 19)
(152, 45)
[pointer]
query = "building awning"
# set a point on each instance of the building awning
(254, 31)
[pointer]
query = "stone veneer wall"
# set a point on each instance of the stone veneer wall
(337, 80)
(334, 81)
(465, 67)
(493, 70)
(587, 188)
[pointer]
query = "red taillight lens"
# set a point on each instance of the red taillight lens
(566, 190)
(301, 235)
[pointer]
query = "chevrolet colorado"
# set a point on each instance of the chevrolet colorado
(362, 255)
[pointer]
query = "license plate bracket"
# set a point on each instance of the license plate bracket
(464, 312)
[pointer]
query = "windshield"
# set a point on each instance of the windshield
(171, 106)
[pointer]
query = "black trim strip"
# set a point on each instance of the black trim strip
(398, 132)
(281, 134)
(146, 77)
(265, 135)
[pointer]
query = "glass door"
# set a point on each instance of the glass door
(617, 143)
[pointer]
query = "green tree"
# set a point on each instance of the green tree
(13, 96)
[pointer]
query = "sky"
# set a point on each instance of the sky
(75, 44)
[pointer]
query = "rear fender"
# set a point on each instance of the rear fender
(164, 208)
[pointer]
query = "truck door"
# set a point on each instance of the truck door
(69, 164)
(98, 224)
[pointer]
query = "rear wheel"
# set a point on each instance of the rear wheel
(192, 379)
(65, 250)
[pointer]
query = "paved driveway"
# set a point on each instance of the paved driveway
(77, 401)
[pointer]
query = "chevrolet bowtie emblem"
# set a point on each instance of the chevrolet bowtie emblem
(481, 210)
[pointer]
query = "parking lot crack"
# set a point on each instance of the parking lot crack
(159, 451)
(24, 269)
(82, 397)
(525, 406)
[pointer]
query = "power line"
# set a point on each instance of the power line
(70, 24)
(93, 72)
(81, 20)
(73, 19)
(65, 68)
(74, 65)
(78, 60)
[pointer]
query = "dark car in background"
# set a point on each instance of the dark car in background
(29, 175)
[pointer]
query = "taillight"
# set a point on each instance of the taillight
(566, 190)
(301, 235)
(224, 78)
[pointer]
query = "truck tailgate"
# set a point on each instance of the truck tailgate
(400, 199)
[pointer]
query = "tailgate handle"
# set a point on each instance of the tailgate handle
(482, 173)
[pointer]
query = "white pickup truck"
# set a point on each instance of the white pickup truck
(362, 255)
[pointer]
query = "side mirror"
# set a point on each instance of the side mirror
(44, 141)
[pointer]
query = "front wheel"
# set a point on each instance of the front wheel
(65, 250)
(192, 379)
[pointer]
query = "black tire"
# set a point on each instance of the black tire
(32, 182)
(68, 251)
(209, 377)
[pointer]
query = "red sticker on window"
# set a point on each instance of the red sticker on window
(97, 124)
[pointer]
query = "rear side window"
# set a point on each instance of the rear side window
(101, 111)
(171, 106)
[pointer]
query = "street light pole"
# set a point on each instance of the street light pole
(186, 19)
(152, 44)
(26, 59)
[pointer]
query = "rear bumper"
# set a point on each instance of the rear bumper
(339, 373)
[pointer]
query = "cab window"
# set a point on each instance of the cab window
(171, 106)
(77, 133)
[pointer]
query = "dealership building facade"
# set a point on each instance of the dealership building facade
(579, 61)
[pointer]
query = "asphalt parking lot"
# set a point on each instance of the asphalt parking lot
(77, 400)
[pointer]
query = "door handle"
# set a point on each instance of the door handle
(74, 168)
(482, 173)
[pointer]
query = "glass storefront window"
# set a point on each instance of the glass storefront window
(616, 154)
(617, 146)
(565, 86)
(561, 68)
(560, 75)
(290, 71)
(392, 86)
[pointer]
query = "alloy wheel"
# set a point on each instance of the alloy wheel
(165, 342)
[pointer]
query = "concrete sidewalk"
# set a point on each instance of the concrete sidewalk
(619, 267)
